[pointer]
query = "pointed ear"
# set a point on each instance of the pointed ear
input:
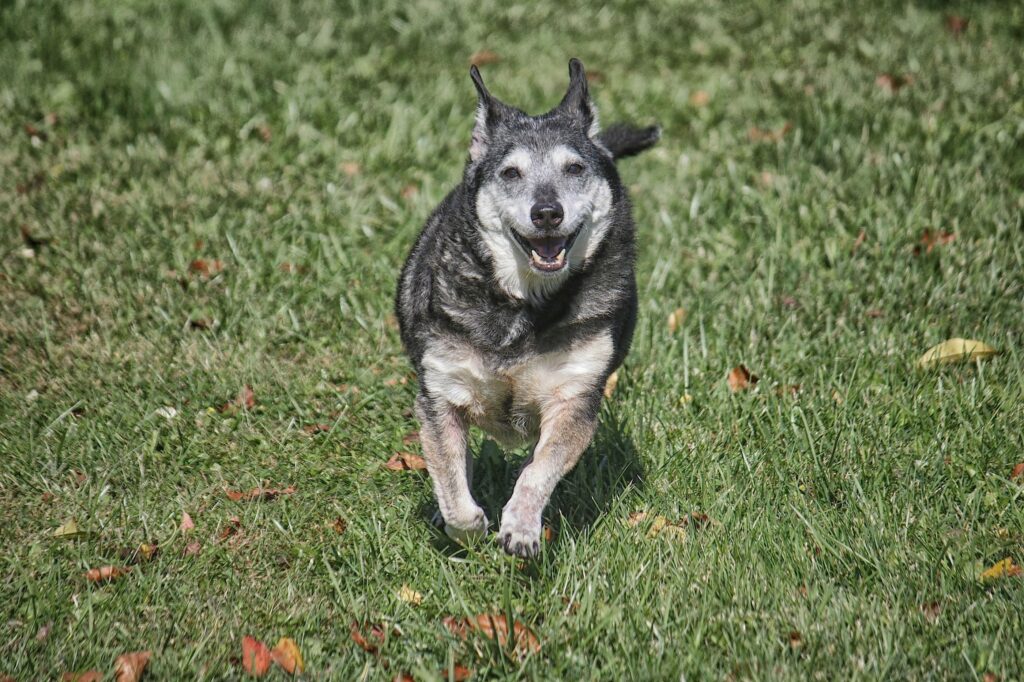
(576, 102)
(488, 113)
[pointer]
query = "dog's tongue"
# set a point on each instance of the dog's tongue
(548, 247)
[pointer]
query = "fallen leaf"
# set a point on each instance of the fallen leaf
(129, 667)
(595, 76)
(167, 412)
(106, 573)
(233, 527)
(205, 268)
(410, 596)
(458, 673)
(255, 657)
(787, 389)
(245, 400)
(339, 525)
(931, 611)
(200, 323)
(495, 626)
(312, 429)
(287, 655)
(611, 383)
(370, 636)
(635, 518)
(403, 677)
(756, 134)
(795, 639)
(193, 548)
(548, 533)
(68, 530)
(893, 83)
(930, 239)
(411, 437)
(956, 24)
(147, 551)
(699, 98)
(87, 676)
(259, 493)
(1018, 471)
(741, 379)
(409, 191)
(186, 523)
(405, 461)
(990, 677)
(675, 319)
(1001, 569)
(859, 241)
(955, 350)
(264, 131)
(350, 168)
(483, 58)
(43, 632)
(874, 313)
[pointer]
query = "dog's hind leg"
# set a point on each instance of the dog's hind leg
(443, 431)
(566, 430)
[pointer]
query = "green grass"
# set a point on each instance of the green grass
(837, 513)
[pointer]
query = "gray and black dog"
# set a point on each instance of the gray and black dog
(518, 301)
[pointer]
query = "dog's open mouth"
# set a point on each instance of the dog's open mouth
(547, 254)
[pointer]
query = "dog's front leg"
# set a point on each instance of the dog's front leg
(566, 429)
(443, 436)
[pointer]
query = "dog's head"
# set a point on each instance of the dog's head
(544, 187)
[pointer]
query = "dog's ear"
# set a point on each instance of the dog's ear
(489, 112)
(576, 102)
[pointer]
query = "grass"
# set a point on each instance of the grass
(303, 144)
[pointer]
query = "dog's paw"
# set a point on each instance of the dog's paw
(518, 537)
(467, 527)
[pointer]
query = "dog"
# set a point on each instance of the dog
(518, 300)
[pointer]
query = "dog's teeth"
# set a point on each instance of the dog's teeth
(560, 257)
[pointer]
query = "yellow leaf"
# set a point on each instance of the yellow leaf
(675, 319)
(1001, 569)
(287, 655)
(609, 386)
(955, 350)
(68, 531)
(410, 596)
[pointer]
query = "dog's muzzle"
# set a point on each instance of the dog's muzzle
(547, 254)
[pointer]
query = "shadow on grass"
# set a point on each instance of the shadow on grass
(608, 468)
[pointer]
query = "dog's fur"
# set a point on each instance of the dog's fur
(506, 331)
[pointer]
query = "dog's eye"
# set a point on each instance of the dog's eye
(511, 173)
(574, 169)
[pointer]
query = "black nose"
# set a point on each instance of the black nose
(548, 214)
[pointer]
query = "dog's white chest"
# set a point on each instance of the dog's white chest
(512, 401)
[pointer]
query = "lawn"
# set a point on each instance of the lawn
(203, 196)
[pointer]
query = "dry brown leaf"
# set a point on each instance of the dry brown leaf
(741, 379)
(350, 168)
(87, 676)
(147, 551)
(411, 437)
(245, 400)
(931, 611)
(990, 677)
(410, 596)
(1001, 569)
(788, 389)
(105, 574)
(187, 523)
(859, 241)
(339, 525)
(233, 527)
(369, 636)
(756, 134)
(796, 640)
(675, 319)
(287, 655)
(495, 626)
(405, 461)
(611, 383)
(1018, 471)
(409, 192)
(255, 657)
(548, 533)
(205, 268)
(875, 313)
(193, 548)
(699, 98)
(956, 24)
(259, 493)
(893, 83)
(129, 667)
(459, 673)
(312, 429)
(484, 57)
(930, 239)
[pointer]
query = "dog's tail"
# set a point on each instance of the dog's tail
(624, 140)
